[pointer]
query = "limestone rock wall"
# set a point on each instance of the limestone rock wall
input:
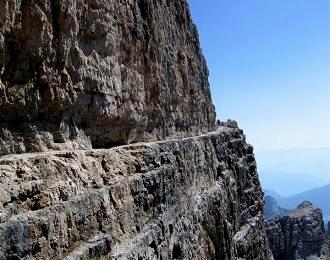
(76, 75)
(193, 198)
(97, 73)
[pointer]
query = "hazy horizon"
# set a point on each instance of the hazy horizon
(293, 171)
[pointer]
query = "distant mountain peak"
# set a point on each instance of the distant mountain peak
(272, 208)
(318, 197)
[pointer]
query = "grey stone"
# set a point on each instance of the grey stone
(231, 123)
(299, 234)
(83, 73)
(193, 198)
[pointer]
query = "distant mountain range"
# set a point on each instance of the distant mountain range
(320, 197)
(273, 194)
(272, 208)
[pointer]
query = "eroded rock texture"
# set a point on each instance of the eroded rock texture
(83, 73)
(194, 198)
(298, 235)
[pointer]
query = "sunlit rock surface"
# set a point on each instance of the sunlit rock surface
(195, 198)
(95, 73)
(80, 76)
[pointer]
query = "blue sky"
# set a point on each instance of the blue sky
(269, 63)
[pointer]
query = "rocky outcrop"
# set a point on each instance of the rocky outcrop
(94, 73)
(193, 198)
(76, 75)
(298, 235)
(272, 208)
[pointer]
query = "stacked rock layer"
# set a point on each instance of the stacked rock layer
(194, 198)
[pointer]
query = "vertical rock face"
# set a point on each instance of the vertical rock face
(82, 73)
(194, 198)
(298, 235)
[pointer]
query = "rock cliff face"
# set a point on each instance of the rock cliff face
(298, 235)
(97, 73)
(194, 198)
(76, 75)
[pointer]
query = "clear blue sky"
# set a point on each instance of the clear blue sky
(269, 63)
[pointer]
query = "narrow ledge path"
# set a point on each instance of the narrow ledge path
(11, 157)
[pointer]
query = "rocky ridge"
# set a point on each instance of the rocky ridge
(300, 234)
